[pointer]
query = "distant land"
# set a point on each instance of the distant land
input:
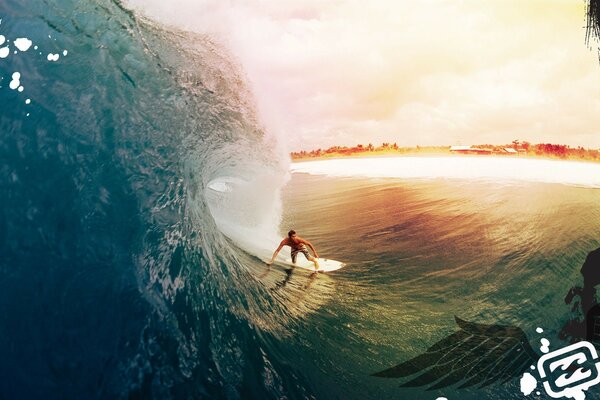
(515, 149)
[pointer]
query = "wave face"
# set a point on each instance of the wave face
(116, 280)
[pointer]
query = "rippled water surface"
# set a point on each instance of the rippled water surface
(420, 252)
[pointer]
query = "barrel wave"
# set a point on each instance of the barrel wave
(141, 148)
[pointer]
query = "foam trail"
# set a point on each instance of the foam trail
(497, 169)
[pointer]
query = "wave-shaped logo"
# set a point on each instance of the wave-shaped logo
(568, 372)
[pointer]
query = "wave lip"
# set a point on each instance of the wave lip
(496, 169)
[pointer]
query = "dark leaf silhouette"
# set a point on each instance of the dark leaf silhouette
(476, 355)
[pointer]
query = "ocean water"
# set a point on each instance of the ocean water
(141, 193)
(421, 251)
(114, 280)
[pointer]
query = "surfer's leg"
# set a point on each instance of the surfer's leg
(313, 259)
(294, 255)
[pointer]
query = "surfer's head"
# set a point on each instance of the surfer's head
(291, 233)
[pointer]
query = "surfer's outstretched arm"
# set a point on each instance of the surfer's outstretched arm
(277, 251)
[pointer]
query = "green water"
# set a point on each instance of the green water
(421, 252)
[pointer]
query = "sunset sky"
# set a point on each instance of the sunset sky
(415, 72)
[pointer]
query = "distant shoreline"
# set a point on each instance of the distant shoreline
(538, 151)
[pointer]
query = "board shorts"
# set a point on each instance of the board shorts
(301, 249)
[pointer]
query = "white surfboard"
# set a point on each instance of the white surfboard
(325, 264)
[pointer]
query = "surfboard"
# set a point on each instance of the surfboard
(325, 264)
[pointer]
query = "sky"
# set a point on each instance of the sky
(328, 73)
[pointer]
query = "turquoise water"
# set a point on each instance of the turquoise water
(114, 281)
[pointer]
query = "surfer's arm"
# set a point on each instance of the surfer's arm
(276, 252)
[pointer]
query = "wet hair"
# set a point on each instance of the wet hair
(292, 232)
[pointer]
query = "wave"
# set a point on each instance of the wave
(132, 188)
(494, 169)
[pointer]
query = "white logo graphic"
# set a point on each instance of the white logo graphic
(569, 371)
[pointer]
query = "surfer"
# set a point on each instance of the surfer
(298, 245)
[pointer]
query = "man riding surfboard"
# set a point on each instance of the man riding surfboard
(298, 245)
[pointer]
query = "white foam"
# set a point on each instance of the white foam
(545, 347)
(22, 44)
(65, 52)
(575, 393)
(495, 169)
(528, 383)
(225, 184)
(15, 82)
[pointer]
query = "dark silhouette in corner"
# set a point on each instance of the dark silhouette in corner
(583, 301)
(480, 355)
